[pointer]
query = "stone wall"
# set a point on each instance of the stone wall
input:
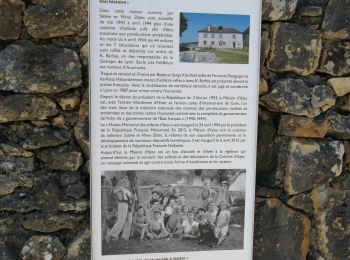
(44, 129)
(303, 183)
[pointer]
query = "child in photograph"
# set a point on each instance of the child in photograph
(168, 191)
(205, 195)
(169, 210)
(190, 229)
(200, 211)
(182, 200)
(194, 209)
(140, 223)
(154, 205)
(154, 197)
(156, 228)
(164, 204)
(222, 223)
(184, 210)
(225, 185)
(110, 220)
(124, 196)
(175, 194)
(206, 232)
(174, 222)
(158, 188)
(211, 213)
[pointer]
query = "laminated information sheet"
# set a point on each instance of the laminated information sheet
(174, 92)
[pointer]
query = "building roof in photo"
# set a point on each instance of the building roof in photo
(219, 29)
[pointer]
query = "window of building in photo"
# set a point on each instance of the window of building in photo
(234, 36)
(204, 42)
(205, 35)
(220, 43)
(212, 43)
(220, 35)
(212, 35)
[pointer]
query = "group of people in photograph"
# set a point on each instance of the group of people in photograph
(166, 214)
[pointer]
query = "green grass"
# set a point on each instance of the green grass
(232, 56)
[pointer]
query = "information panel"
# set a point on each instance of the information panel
(174, 91)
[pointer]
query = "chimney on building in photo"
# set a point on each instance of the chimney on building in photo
(208, 28)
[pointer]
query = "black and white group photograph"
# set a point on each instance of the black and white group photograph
(156, 211)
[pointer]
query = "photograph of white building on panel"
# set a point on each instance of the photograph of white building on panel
(220, 37)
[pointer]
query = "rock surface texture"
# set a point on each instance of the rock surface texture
(303, 163)
(11, 19)
(44, 130)
(294, 48)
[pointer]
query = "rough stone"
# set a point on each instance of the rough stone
(67, 178)
(339, 126)
(45, 137)
(28, 68)
(6, 223)
(15, 164)
(293, 96)
(44, 196)
(335, 59)
(265, 47)
(69, 101)
(23, 135)
(84, 54)
(267, 192)
(345, 103)
(9, 183)
(20, 202)
(302, 202)
(331, 213)
(6, 252)
(80, 247)
(65, 157)
(343, 181)
(311, 163)
(311, 11)
(74, 42)
(39, 123)
(280, 233)
(70, 117)
(266, 133)
(76, 190)
(263, 87)
(274, 10)
(47, 196)
(86, 168)
(42, 222)
(10, 19)
(347, 154)
(26, 107)
(336, 22)
(13, 149)
(57, 18)
(340, 86)
(294, 48)
(76, 206)
(275, 165)
(297, 126)
(43, 247)
(59, 121)
(82, 127)
(43, 2)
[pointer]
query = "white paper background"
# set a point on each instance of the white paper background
(251, 8)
